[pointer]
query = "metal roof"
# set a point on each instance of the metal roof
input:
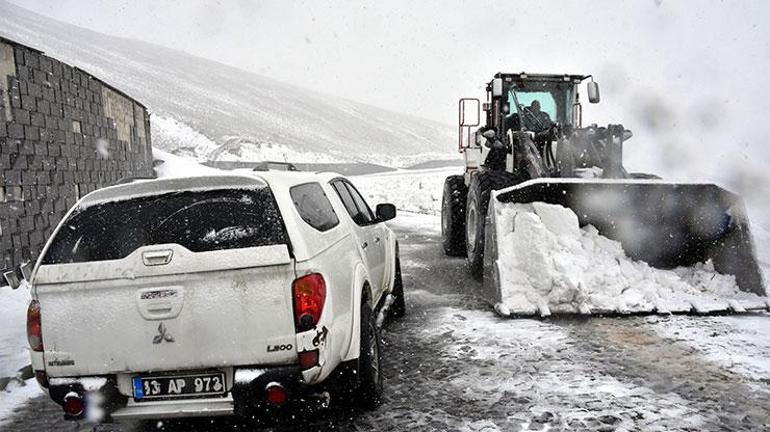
(524, 76)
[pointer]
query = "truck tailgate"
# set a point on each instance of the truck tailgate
(200, 310)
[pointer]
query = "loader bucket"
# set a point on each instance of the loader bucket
(667, 225)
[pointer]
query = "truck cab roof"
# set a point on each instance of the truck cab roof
(228, 179)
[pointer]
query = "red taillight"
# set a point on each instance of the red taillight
(308, 359)
(276, 394)
(34, 331)
(73, 405)
(309, 297)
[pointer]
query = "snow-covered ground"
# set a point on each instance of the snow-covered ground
(14, 351)
(16, 395)
(532, 355)
(13, 337)
(740, 344)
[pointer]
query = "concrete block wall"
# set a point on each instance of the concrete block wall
(63, 134)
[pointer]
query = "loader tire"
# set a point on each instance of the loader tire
(453, 215)
(482, 184)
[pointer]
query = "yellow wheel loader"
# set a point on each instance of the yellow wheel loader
(548, 216)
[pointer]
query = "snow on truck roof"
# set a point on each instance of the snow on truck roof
(227, 179)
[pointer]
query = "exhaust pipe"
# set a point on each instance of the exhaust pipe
(276, 394)
(74, 406)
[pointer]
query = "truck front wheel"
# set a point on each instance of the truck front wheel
(398, 308)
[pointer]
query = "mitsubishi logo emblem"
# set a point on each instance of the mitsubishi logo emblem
(163, 335)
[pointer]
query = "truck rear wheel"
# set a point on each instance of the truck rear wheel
(482, 184)
(369, 389)
(453, 215)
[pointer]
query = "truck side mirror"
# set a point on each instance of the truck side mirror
(593, 92)
(385, 212)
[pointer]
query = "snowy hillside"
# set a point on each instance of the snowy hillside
(208, 110)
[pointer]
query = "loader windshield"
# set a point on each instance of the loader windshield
(555, 99)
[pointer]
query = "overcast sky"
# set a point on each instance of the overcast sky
(419, 57)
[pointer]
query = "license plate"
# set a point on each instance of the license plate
(162, 387)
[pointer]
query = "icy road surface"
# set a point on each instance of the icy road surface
(452, 364)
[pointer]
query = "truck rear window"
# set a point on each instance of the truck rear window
(198, 220)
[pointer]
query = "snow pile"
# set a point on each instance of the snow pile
(179, 138)
(176, 166)
(249, 149)
(547, 262)
(13, 339)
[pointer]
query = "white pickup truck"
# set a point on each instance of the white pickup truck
(213, 295)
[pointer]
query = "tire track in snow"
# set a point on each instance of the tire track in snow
(628, 349)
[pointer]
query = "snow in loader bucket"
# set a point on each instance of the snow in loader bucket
(576, 246)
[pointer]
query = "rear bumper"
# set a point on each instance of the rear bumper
(175, 408)
(246, 396)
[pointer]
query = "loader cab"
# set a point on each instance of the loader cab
(509, 97)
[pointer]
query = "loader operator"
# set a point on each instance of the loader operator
(536, 120)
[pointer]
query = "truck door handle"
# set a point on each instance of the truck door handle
(157, 257)
(364, 245)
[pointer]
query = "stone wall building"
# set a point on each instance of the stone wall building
(63, 133)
